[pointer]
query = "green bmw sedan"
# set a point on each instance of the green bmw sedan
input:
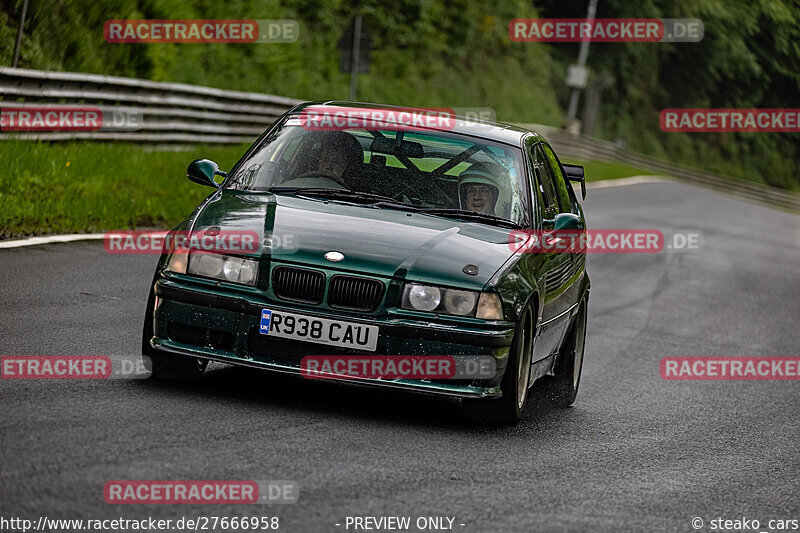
(382, 234)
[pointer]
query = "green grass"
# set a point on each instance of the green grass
(451, 53)
(92, 187)
(602, 170)
(83, 187)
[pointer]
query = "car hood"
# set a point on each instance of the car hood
(374, 240)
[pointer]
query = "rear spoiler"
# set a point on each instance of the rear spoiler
(575, 173)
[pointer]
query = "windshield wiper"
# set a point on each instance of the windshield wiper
(377, 199)
(471, 215)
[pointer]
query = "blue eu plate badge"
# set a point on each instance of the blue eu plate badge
(266, 316)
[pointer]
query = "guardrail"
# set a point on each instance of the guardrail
(591, 149)
(170, 112)
(190, 114)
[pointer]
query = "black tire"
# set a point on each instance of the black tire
(508, 409)
(562, 388)
(164, 365)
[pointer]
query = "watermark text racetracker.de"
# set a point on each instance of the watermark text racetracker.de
(604, 241)
(59, 367)
(210, 240)
(333, 118)
(730, 120)
(413, 367)
(200, 492)
(201, 31)
(25, 117)
(642, 30)
(734, 368)
(393, 118)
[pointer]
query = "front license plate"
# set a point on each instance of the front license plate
(319, 330)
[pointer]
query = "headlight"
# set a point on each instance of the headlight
(423, 298)
(223, 267)
(459, 302)
(177, 262)
(445, 301)
(207, 265)
(489, 307)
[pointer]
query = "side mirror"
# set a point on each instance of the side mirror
(575, 173)
(202, 171)
(562, 222)
(567, 221)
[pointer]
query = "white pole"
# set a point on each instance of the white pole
(582, 55)
(354, 59)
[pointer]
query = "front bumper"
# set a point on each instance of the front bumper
(221, 326)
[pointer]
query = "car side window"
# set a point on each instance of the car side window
(559, 180)
(545, 179)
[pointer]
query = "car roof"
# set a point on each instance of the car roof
(488, 129)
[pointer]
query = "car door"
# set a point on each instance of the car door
(553, 274)
(574, 263)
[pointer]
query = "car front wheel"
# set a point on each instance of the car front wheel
(164, 365)
(509, 407)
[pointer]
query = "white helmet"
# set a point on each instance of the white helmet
(493, 175)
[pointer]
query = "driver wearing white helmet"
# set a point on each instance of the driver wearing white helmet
(483, 188)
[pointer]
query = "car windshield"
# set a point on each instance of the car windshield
(445, 173)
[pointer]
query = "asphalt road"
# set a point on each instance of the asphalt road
(635, 453)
